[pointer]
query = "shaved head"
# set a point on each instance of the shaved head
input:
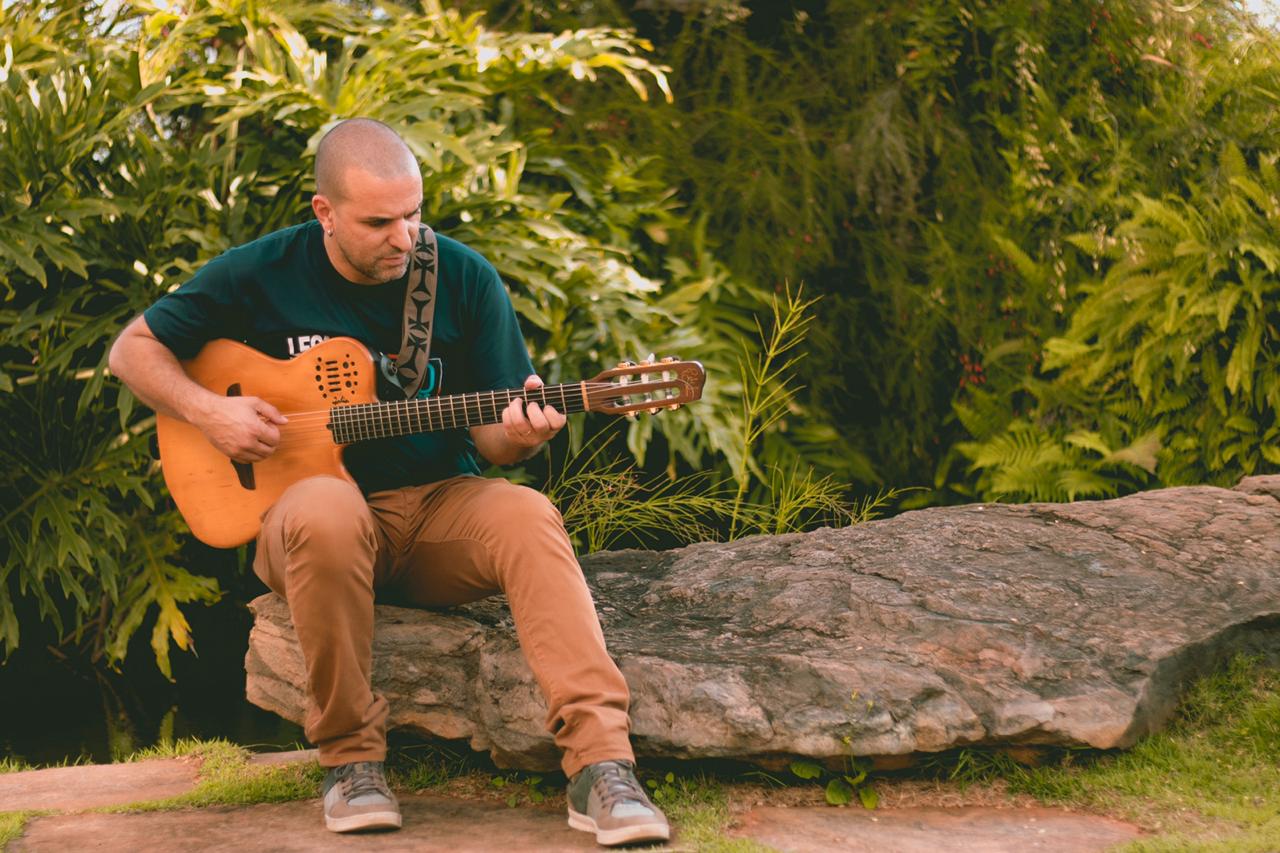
(361, 144)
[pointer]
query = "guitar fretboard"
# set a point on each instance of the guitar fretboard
(367, 421)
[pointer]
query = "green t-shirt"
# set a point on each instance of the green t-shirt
(281, 295)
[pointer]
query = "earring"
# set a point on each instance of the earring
(329, 232)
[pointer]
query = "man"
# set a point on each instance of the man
(422, 528)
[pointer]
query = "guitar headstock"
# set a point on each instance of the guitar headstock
(646, 386)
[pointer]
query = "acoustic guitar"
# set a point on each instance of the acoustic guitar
(329, 395)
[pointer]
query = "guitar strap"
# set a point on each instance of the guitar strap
(419, 314)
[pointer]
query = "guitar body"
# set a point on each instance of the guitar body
(329, 396)
(224, 501)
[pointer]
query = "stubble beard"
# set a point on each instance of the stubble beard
(376, 270)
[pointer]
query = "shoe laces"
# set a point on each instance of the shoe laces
(362, 778)
(615, 785)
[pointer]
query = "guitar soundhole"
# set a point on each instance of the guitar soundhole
(336, 378)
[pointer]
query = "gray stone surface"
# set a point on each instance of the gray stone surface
(1070, 624)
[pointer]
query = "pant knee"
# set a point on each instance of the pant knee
(328, 519)
(323, 503)
(520, 506)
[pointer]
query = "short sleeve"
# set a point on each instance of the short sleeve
(200, 310)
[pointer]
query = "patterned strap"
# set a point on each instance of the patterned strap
(419, 313)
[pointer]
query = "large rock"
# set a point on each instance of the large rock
(1071, 624)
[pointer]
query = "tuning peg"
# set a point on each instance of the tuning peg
(669, 359)
(674, 406)
(626, 364)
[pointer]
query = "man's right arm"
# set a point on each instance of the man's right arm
(243, 428)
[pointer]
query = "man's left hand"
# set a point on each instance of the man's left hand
(529, 425)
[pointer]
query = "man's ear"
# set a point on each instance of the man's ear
(324, 211)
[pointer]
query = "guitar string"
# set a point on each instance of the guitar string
(297, 434)
(381, 411)
(301, 430)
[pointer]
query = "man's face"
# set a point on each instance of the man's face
(374, 224)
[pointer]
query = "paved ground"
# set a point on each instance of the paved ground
(94, 785)
(929, 830)
(459, 824)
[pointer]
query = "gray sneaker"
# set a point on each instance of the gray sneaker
(356, 797)
(606, 799)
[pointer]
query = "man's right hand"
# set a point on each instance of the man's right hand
(243, 428)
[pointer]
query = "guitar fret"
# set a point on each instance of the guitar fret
(364, 421)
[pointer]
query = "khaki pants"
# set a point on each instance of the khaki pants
(325, 548)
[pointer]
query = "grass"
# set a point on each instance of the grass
(12, 824)
(698, 808)
(1207, 782)
(13, 765)
(425, 766)
(227, 778)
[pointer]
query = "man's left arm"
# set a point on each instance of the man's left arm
(524, 428)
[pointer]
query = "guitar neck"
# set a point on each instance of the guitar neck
(368, 421)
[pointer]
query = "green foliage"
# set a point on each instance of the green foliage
(604, 502)
(957, 181)
(842, 788)
(520, 788)
(761, 487)
(82, 540)
(138, 146)
(1177, 341)
(1041, 237)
